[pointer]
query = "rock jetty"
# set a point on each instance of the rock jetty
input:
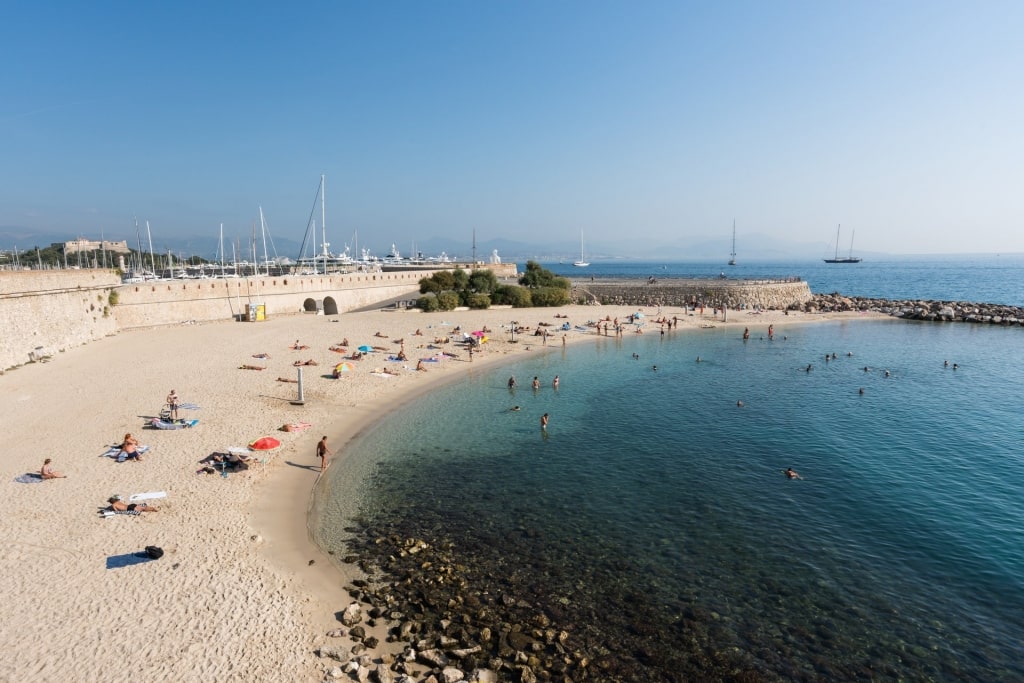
(916, 309)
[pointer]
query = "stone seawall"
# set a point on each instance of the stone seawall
(734, 294)
(45, 312)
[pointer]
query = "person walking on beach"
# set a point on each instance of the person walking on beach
(172, 404)
(544, 421)
(322, 451)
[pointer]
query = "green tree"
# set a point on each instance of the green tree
(512, 295)
(537, 276)
(447, 301)
(549, 296)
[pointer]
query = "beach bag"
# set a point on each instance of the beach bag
(154, 552)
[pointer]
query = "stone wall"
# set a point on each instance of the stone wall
(734, 294)
(45, 312)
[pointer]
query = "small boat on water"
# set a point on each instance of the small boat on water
(843, 259)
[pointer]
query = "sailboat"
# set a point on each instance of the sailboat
(843, 259)
(582, 263)
(732, 260)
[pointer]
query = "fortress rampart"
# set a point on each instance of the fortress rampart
(45, 312)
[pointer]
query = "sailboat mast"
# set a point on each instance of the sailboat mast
(323, 217)
(152, 259)
(263, 229)
(852, 233)
(222, 250)
(837, 239)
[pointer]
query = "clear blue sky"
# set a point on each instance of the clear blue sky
(657, 121)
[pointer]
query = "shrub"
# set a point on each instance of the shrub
(478, 301)
(427, 303)
(512, 295)
(112, 298)
(447, 301)
(549, 296)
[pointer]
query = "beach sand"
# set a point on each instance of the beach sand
(241, 594)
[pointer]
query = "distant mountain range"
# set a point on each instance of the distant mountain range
(753, 247)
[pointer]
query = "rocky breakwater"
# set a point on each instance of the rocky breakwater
(907, 309)
(455, 613)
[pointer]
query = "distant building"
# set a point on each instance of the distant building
(82, 244)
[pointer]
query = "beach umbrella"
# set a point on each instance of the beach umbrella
(365, 348)
(478, 333)
(264, 443)
(343, 367)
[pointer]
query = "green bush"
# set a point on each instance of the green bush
(512, 295)
(549, 296)
(447, 301)
(112, 298)
(427, 303)
(478, 301)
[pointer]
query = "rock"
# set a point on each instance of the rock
(433, 658)
(452, 675)
(337, 633)
(383, 674)
(335, 672)
(352, 615)
(483, 676)
(333, 652)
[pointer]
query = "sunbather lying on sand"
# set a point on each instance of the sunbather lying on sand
(378, 334)
(118, 505)
(285, 379)
(261, 355)
(305, 362)
(250, 367)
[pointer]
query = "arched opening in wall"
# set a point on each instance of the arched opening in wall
(330, 306)
(309, 305)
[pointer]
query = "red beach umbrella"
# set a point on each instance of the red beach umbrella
(265, 443)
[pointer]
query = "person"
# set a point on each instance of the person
(544, 421)
(536, 384)
(322, 451)
(554, 382)
(512, 382)
(419, 366)
(746, 333)
(130, 448)
(790, 474)
(172, 404)
(515, 409)
(771, 331)
(47, 472)
(118, 505)
(739, 404)
(305, 362)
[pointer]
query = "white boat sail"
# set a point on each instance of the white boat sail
(732, 255)
(582, 263)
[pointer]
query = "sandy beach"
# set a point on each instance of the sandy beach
(240, 594)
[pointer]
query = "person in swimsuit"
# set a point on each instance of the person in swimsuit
(790, 474)
(130, 448)
(47, 472)
(172, 404)
(118, 505)
(322, 451)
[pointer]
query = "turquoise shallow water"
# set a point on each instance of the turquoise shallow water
(899, 554)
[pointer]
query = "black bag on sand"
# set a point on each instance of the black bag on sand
(154, 552)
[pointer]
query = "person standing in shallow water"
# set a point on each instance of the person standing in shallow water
(544, 421)
(512, 382)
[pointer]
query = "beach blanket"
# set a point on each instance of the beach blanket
(29, 478)
(432, 359)
(157, 423)
(111, 513)
(115, 452)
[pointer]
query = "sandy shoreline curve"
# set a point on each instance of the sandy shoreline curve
(235, 597)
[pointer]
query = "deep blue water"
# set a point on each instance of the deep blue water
(980, 279)
(899, 554)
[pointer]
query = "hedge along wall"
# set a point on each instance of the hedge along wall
(45, 312)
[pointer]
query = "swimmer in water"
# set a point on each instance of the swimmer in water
(790, 474)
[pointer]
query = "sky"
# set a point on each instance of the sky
(649, 122)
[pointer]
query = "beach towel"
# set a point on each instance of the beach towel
(29, 478)
(157, 423)
(115, 452)
(381, 374)
(111, 513)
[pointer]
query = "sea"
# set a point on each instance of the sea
(653, 514)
